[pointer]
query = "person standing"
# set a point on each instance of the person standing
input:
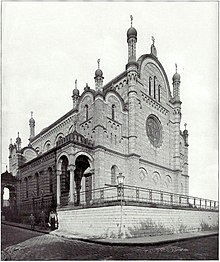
(52, 219)
(32, 221)
(42, 219)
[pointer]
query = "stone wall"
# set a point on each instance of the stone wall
(107, 222)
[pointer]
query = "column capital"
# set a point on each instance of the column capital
(71, 168)
(58, 172)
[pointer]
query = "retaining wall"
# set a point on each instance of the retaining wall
(134, 221)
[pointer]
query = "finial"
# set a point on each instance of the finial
(176, 67)
(185, 125)
(31, 114)
(76, 84)
(153, 39)
(11, 141)
(98, 61)
(131, 19)
(18, 134)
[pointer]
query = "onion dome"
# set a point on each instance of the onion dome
(98, 72)
(176, 76)
(32, 121)
(76, 90)
(132, 32)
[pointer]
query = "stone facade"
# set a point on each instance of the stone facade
(131, 125)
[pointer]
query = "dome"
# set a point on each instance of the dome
(132, 32)
(76, 91)
(31, 121)
(176, 77)
(98, 72)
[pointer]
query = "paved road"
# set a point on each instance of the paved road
(49, 247)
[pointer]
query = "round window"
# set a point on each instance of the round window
(154, 130)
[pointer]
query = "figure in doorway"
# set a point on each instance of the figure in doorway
(53, 220)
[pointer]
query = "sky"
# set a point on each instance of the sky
(47, 45)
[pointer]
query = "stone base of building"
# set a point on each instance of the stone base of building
(134, 221)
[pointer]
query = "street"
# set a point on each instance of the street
(22, 244)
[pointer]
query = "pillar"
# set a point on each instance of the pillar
(58, 187)
(71, 168)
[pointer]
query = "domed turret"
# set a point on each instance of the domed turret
(18, 142)
(176, 85)
(132, 32)
(98, 78)
(75, 95)
(131, 40)
(176, 77)
(32, 126)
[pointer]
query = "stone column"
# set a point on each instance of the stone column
(71, 168)
(58, 187)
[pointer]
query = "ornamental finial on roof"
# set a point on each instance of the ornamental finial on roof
(76, 84)
(31, 114)
(185, 125)
(131, 19)
(153, 39)
(176, 67)
(98, 61)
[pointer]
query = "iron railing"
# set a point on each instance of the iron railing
(115, 195)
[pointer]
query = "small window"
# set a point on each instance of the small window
(155, 79)
(37, 183)
(26, 186)
(50, 179)
(159, 89)
(113, 112)
(86, 112)
(150, 79)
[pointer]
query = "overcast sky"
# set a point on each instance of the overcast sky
(46, 46)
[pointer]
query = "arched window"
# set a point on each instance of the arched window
(114, 172)
(50, 172)
(26, 186)
(150, 79)
(86, 112)
(159, 90)
(65, 175)
(113, 112)
(155, 79)
(37, 183)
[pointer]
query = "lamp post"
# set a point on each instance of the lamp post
(120, 180)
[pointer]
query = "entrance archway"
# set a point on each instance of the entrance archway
(82, 165)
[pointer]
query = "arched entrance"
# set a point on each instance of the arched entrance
(83, 168)
(9, 203)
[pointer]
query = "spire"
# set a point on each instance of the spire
(153, 49)
(131, 40)
(32, 126)
(75, 95)
(98, 77)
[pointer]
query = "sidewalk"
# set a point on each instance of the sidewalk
(25, 226)
(136, 241)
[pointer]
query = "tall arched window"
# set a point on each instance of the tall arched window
(113, 112)
(86, 112)
(114, 172)
(155, 79)
(159, 90)
(26, 186)
(37, 184)
(50, 173)
(65, 175)
(150, 79)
